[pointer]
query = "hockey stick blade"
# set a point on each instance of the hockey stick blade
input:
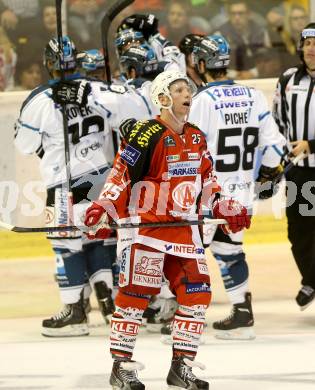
(54, 229)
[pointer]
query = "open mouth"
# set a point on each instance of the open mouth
(187, 104)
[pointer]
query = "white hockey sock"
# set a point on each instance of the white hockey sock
(188, 326)
(237, 294)
(104, 275)
(125, 326)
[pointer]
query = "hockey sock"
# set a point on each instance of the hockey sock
(125, 326)
(188, 326)
(234, 272)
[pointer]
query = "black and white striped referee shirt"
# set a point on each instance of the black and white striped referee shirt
(294, 109)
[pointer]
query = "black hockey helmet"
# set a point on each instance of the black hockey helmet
(214, 50)
(142, 59)
(126, 38)
(55, 59)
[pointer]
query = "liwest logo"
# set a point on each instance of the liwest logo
(130, 155)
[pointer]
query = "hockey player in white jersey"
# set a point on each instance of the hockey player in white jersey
(143, 53)
(237, 122)
(39, 130)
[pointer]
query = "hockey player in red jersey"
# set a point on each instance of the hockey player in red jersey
(161, 171)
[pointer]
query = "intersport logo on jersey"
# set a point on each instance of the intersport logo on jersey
(178, 248)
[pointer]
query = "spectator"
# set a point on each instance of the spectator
(49, 19)
(245, 37)
(28, 74)
(7, 62)
(280, 40)
(268, 62)
(84, 18)
(177, 22)
(19, 19)
(297, 19)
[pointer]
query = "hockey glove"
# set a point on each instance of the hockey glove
(97, 219)
(147, 24)
(234, 213)
(267, 182)
(71, 92)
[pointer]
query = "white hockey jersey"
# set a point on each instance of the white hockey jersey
(39, 129)
(237, 122)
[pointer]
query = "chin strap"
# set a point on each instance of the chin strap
(181, 123)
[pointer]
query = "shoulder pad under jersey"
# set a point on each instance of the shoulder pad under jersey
(142, 132)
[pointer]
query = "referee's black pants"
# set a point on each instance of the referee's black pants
(301, 221)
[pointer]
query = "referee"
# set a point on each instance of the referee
(294, 112)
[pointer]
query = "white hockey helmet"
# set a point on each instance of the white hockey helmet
(161, 84)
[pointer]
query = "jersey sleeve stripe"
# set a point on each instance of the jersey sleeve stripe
(108, 113)
(211, 95)
(277, 150)
(262, 116)
(28, 126)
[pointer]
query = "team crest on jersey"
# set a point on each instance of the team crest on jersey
(130, 155)
(184, 195)
(169, 141)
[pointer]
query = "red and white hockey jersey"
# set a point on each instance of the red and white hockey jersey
(158, 176)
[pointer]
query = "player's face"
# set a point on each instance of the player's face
(309, 52)
(181, 93)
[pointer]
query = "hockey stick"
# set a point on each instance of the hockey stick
(20, 229)
(109, 16)
(291, 164)
(64, 115)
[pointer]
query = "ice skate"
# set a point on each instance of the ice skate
(239, 324)
(180, 375)
(70, 321)
(124, 375)
(305, 297)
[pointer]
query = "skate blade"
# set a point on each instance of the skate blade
(302, 308)
(67, 331)
(236, 334)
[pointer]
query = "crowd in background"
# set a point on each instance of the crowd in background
(263, 34)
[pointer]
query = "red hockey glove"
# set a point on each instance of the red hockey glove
(234, 213)
(97, 218)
